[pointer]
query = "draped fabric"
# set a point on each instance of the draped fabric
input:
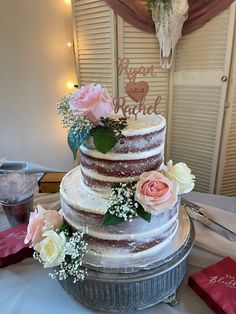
(200, 12)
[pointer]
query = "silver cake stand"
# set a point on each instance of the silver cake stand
(113, 291)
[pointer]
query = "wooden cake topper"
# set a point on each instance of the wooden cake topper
(136, 90)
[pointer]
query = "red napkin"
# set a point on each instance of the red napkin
(12, 247)
(216, 285)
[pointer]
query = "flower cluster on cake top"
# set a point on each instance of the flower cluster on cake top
(86, 113)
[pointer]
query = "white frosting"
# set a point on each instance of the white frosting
(117, 156)
(76, 201)
(103, 192)
(124, 253)
(95, 175)
(144, 236)
(124, 261)
(144, 125)
(75, 195)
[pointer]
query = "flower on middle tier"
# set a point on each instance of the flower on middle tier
(155, 192)
(92, 102)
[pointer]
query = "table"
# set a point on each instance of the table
(25, 288)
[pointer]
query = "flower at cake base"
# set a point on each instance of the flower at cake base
(92, 102)
(155, 192)
(51, 248)
(40, 221)
(181, 173)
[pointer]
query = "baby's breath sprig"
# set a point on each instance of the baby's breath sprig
(122, 202)
(74, 249)
(122, 205)
(74, 122)
(116, 126)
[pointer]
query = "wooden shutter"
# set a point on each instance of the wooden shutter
(197, 106)
(95, 43)
(226, 178)
(142, 48)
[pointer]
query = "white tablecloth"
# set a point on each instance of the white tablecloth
(25, 288)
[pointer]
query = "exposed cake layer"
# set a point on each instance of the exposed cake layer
(133, 240)
(142, 151)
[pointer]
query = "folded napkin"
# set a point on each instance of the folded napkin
(216, 285)
(12, 247)
(211, 241)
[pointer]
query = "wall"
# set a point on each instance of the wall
(35, 64)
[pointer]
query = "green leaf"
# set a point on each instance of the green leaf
(64, 227)
(76, 139)
(110, 219)
(104, 139)
(143, 214)
(122, 127)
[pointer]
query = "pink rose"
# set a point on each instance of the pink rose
(40, 221)
(155, 192)
(92, 102)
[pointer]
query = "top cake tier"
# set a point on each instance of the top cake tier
(142, 150)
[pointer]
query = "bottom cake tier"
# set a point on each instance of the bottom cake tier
(122, 292)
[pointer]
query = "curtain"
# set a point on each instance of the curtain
(200, 12)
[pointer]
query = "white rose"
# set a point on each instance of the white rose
(181, 173)
(51, 248)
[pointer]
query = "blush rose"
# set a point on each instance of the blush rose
(155, 192)
(42, 220)
(92, 102)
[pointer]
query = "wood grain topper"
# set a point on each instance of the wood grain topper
(137, 90)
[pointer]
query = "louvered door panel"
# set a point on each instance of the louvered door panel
(197, 108)
(227, 174)
(95, 39)
(205, 48)
(143, 50)
(194, 130)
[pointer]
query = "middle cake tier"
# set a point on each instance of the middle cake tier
(142, 151)
(135, 243)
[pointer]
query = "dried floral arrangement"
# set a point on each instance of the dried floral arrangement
(161, 8)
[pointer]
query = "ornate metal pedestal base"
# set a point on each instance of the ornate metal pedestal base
(171, 300)
(132, 291)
